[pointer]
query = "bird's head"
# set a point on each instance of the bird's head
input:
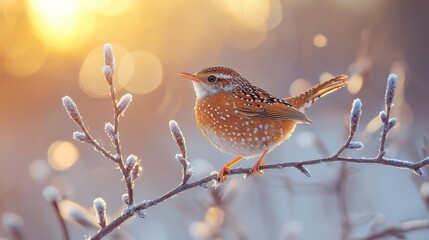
(212, 80)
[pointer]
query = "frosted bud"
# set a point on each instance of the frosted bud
(355, 145)
(108, 73)
(178, 137)
(109, 59)
(123, 103)
(392, 122)
(80, 136)
(189, 172)
(390, 89)
(130, 162)
(355, 115)
(51, 194)
(73, 211)
(72, 110)
(125, 198)
(100, 210)
(383, 116)
(141, 213)
(110, 131)
(12, 223)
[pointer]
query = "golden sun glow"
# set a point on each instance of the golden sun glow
(61, 24)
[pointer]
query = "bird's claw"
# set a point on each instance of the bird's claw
(221, 177)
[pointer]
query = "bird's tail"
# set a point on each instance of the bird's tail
(306, 99)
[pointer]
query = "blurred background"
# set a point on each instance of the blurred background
(53, 48)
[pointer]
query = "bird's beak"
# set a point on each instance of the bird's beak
(188, 76)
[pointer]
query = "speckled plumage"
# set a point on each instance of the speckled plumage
(244, 120)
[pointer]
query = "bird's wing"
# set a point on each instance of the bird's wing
(275, 112)
(266, 106)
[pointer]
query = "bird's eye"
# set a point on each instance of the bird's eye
(212, 78)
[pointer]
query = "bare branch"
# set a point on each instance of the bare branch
(130, 168)
(384, 116)
(53, 196)
(399, 231)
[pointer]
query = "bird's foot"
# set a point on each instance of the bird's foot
(255, 169)
(221, 177)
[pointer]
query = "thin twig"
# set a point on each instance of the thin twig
(340, 190)
(63, 225)
(399, 231)
(138, 209)
(181, 188)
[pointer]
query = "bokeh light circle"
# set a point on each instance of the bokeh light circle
(355, 83)
(91, 79)
(320, 40)
(140, 72)
(62, 155)
(298, 86)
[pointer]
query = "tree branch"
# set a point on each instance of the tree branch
(131, 167)
(399, 231)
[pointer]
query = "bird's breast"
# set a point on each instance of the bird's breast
(220, 121)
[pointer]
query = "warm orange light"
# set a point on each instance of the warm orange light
(91, 79)
(61, 24)
(325, 77)
(320, 40)
(355, 84)
(62, 155)
(298, 86)
(251, 13)
(140, 72)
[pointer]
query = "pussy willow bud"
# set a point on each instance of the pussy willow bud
(124, 102)
(383, 117)
(130, 162)
(100, 210)
(108, 74)
(392, 122)
(79, 136)
(355, 145)
(355, 115)
(51, 194)
(72, 110)
(390, 89)
(109, 59)
(178, 136)
(110, 131)
(125, 198)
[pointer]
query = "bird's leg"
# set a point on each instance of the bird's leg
(255, 169)
(221, 176)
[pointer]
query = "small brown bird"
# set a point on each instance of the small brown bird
(246, 121)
